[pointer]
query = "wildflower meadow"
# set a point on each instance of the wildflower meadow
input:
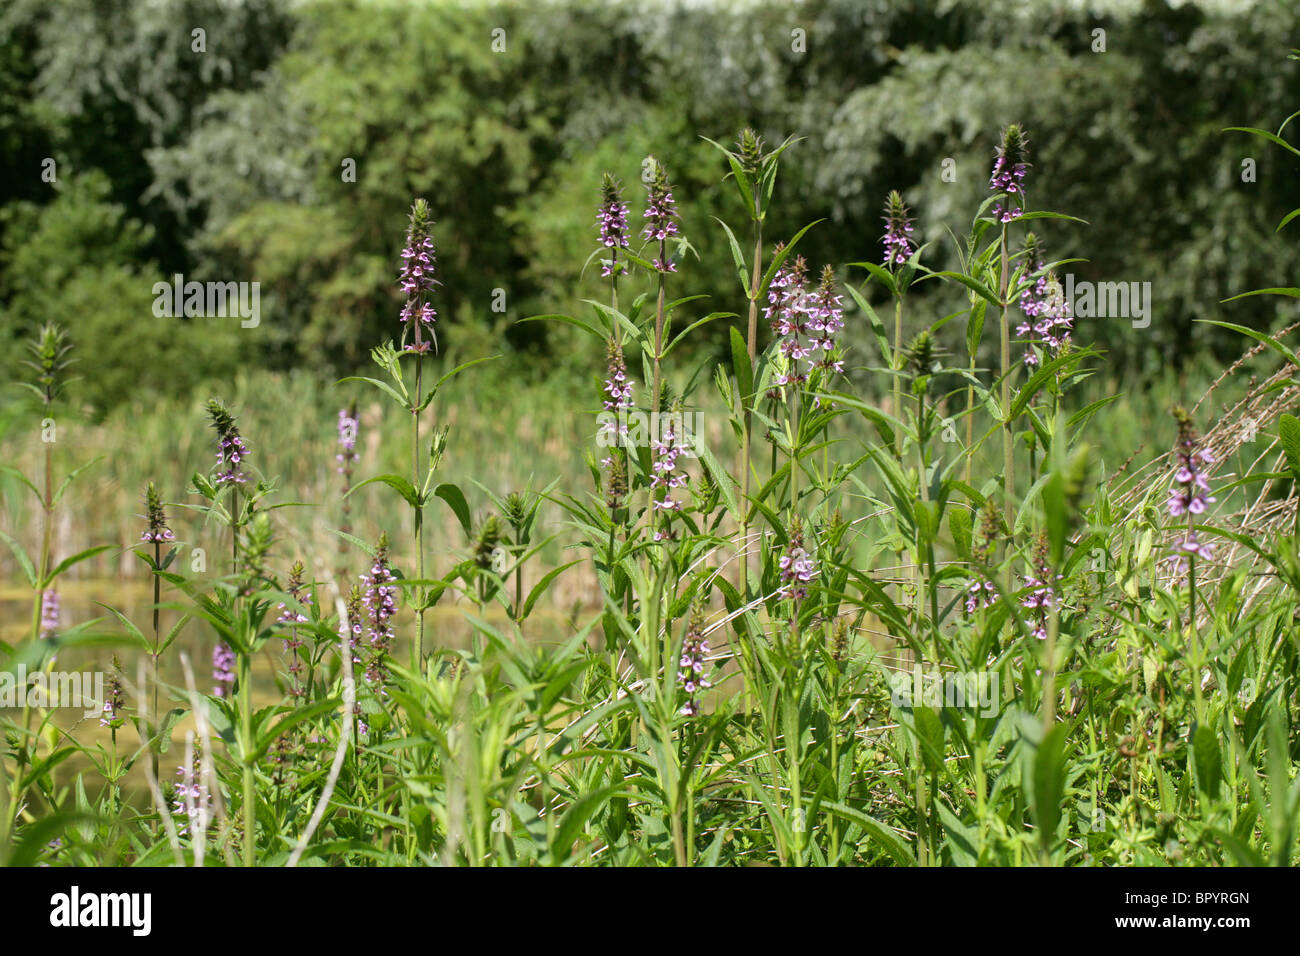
(863, 556)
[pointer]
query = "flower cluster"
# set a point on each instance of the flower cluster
(797, 566)
(291, 619)
(158, 531)
(1008, 176)
(667, 449)
(114, 701)
(618, 393)
(231, 450)
(190, 797)
(416, 277)
(660, 216)
(611, 217)
(353, 632)
(379, 603)
(787, 310)
(825, 320)
(354, 624)
(223, 669)
(980, 595)
(1191, 490)
(1049, 321)
(615, 480)
(1042, 596)
(49, 612)
(899, 245)
(284, 752)
(690, 666)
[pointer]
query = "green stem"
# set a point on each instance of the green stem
(417, 655)
(246, 735)
(746, 401)
(1008, 438)
(898, 371)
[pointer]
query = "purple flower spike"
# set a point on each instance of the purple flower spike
(158, 531)
(797, 567)
(1047, 312)
(231, 450)
(664, 474)
(1190, 493)
(1008, 176)
(788, 310)
(618, 394)
(899, 245)
(660, 216)
(378, 602)
(981, 595)
(611, 217)
(690, 666)
(49, 613)
(825, 321)
(1191, 490)
(223, 669)
(416, 278)
(1042, 597)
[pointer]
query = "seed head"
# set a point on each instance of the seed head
(158, 531)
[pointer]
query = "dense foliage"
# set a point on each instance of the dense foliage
(230, 164)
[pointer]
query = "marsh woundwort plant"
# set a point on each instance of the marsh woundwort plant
(1007, 183)
(776, 577)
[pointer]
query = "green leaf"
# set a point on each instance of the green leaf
(880, 274)
(540, 588)
(24, 561)
(576, 817)
(1049, 785)
(780, 257)
(1263, 134)
(76, 559)
(72, 476)
(1290, 291)
(929, 733)
(1209, 762)
(959, 525)
(455, 499)
(37, 836)
(975, 328)
(591, 330)
(877, 326)
(1268, 340)
(384, 386)
(397, 483)
(1288, 430)
(737, 256)
(741, 365)
(46, 765)
(888, 839)
(973, 284)
(298, 716)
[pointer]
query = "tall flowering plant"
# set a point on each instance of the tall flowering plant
(418, 283)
